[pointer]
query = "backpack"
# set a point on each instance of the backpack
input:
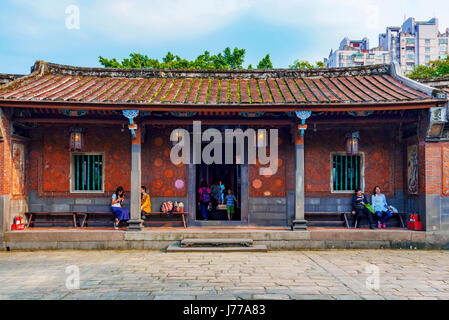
(167, 207)
(205, 196)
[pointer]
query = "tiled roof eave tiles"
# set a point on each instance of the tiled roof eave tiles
(52, 84)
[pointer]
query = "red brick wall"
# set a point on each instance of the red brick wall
(434, 168)
(383, 164)
(274, 185)
(49, 161)
(159, 174)
(5, 156)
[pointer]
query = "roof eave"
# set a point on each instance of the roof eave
(396, 73)
(237, 107)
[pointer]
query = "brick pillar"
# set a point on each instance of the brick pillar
(5, 173)
(434, 185)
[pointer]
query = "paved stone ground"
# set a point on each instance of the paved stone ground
(336, 274)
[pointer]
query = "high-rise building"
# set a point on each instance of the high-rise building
(415, 43)
(353, 53)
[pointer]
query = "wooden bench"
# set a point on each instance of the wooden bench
(350, 217)
(326, 219)
(32, 222)
(86, 217)
(182, 214)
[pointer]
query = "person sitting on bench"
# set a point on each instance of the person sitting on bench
(382, 209)
(145, 206)
(359, 209)
(116, 207)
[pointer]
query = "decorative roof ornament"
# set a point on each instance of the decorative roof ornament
(183, 114)
(360, 113)
(131, 114)
(252, 114)
(73, 113)
(303, 115)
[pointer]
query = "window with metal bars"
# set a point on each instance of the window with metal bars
(346, 173)
(87, 172)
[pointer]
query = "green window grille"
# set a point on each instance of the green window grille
(346, 172)
(88, 172)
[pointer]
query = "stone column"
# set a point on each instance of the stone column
(135, 222)
(299, 223)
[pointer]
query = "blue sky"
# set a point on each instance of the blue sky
(33, 30)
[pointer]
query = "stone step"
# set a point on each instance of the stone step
(176, 247)
(227, 242)
(319, 223)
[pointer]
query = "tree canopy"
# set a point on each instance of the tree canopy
(265, 63)
(298, 64)
(436, 68)
(228, 59)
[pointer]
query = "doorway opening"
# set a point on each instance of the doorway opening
(229, 176)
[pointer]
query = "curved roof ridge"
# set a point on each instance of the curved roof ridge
(52, 68)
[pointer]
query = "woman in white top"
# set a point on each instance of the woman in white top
(116, 207)
(380, 206)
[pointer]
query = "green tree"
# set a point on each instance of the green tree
(228, 59)
(265, 63)
(298, 64)
(435, 68)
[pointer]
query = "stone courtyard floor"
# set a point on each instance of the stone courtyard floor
(336, 274)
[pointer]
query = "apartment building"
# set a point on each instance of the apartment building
(415, 43)
(352, 53)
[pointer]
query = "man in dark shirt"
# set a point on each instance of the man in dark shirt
(359, 209)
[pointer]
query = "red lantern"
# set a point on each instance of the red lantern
(76, 139)
(352, 143)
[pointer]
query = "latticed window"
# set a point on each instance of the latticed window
(346, 172)
(87, 172)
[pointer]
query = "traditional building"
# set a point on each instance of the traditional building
(65, 144)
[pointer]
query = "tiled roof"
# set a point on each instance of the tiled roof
(53, 83)
(439, 82)
(6, 78)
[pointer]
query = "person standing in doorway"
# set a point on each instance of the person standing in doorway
(204, 196)
(222, 191)
(215, 195)
(230, 201)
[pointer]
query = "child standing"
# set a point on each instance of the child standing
(230, 200)
(222, 191)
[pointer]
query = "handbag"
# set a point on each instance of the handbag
(369, 207)
(394, 209)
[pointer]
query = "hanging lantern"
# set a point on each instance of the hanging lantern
(262, 138)
(177, 138)
(352, 143)
(76, 139)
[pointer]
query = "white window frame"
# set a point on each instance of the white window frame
(362, 172)
(72, 171)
